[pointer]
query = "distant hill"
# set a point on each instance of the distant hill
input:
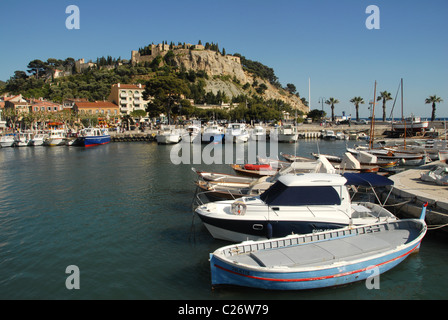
(211, 74)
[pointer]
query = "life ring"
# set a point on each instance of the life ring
(239, 208)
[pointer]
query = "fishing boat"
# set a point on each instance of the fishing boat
(258, 133)
(286, 133)
(318, 260)
(168, 135)
(7, 140)
(405, 159)
(291, 157)
(254, 170)
(296, 203)
(56, 137)
(90, 137)
(411, 124)
(213, 133)
(192, 134)
(38, 139)
(23, 139)
(328, 135)
(222, 177)
(236, 133)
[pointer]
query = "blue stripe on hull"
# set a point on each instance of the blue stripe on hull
(94, 141)
(223, 273)
(279, 228)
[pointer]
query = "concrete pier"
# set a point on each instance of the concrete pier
(409, 193)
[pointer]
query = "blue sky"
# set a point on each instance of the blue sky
(322, 40)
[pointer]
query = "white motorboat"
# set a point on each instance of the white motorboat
(168, 135)
(258, 133)
(23, 139)
(213, 133)
(56, 137)
(7, 140)
(296, 203)
(328, 135)
(192, 134)
(38, 139)
(285, 133)
(236, 133)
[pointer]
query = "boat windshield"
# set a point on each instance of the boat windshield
(280, 195)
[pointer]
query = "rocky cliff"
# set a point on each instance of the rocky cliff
(226, 74)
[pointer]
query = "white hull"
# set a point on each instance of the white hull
(7, 143)
(230, 138)
(168, 139)
(55, 142)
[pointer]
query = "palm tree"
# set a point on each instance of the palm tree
(385, 96)
(356, 101)
(332, 102)
(433, 99)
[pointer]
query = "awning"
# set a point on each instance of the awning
(367, 180)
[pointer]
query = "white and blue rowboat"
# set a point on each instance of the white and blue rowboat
(324, 259)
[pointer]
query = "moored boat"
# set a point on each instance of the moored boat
(236, 133)
(258, 133)
(23, 139)
(285, 133)
(168, 135)
(7, 140)
(89, 137)
(295, 203)
(56, 137)
(192, 134)
(38, 139)
(213, 133)
(318, 260)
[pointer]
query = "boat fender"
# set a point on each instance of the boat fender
(269, 231)
(239, 208)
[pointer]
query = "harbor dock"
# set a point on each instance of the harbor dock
(409, 193)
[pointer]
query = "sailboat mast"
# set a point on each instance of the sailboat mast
(372, 133)
(404, 121)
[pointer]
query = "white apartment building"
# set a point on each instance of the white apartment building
(129, 97)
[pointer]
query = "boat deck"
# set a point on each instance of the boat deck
(325, 252)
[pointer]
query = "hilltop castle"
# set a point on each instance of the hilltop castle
(162, 48)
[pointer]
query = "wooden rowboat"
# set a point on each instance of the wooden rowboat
(318, 260)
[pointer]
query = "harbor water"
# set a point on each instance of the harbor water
(122, 214)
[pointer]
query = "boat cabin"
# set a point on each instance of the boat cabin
(307, 190)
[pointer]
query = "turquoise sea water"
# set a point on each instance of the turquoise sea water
(122, 214)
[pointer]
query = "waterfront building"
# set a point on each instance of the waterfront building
(129, 97)
(19, 106)
(46, 106)
(105, 108)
